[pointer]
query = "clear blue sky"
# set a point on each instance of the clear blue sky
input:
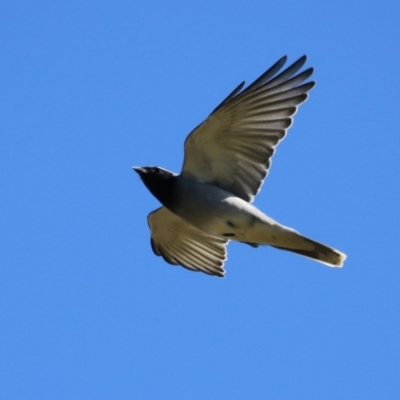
(87, 311)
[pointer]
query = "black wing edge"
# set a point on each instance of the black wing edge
(269, 77)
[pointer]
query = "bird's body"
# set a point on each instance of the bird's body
(221, 213)
(226, 159)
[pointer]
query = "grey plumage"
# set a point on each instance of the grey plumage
(226, 160)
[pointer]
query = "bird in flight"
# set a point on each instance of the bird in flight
(226, 160)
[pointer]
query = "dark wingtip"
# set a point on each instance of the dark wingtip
(303, 58)
(282, 59)
(312, 84)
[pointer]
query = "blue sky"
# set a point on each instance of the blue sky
(87, 311)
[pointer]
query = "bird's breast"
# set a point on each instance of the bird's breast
(213, 209)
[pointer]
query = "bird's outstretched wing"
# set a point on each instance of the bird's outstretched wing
(180, 243)
(233, 147)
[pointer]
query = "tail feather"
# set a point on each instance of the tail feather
(319, 252)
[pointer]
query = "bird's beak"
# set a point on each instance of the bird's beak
(139, 170)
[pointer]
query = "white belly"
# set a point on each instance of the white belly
(222, 214)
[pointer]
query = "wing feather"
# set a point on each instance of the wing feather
(233, 147)
(180, 243)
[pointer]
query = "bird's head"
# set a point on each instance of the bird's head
(158, 180)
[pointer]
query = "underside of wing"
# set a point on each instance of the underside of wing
(233, 147)
(182, 244)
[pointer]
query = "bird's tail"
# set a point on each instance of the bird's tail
(317, 251)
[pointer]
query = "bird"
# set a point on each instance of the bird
(226, 160)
